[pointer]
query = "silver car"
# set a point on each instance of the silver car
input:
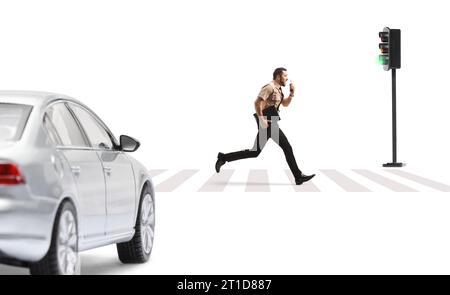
(67, 185)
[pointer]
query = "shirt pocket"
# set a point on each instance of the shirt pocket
(275, 96)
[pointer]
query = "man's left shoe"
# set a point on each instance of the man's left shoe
(303, 178)
(220, 162)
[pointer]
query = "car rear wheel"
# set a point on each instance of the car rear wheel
(62, 257)
(138, 249)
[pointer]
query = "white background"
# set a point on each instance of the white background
(182, 76)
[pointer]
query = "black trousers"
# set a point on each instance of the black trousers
(277, 135)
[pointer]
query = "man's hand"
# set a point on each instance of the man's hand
(263, 122)
(292, 88)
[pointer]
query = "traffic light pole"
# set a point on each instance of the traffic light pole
(394, 123)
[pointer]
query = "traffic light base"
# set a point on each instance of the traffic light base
(394, 164)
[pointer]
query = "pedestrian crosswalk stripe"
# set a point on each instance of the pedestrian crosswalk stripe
(257, 181)
(384, 181)
(282, 181)
(305, 187)
(422, 180)
(343, 181)
(217, 182)
(175, 181)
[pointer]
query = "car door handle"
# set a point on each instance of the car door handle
(107, 170)
(76, 170)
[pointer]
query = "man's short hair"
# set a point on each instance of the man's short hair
(278, 71)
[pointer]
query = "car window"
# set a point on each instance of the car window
(65, 126)
(52, 133)
(13, 118)
(97, 135)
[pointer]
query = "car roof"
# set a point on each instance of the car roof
(40, 100)
(34, 98)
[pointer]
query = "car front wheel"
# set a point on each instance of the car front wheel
(138, 249)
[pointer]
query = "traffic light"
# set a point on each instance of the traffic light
(390, 49)
(390, 59)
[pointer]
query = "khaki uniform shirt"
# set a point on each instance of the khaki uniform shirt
(271, 94)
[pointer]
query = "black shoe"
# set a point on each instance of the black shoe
(220, 162)
(303, 178)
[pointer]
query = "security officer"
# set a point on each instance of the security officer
(268, 101)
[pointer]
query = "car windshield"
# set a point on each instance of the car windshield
(13, 118)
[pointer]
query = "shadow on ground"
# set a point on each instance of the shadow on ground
(91, 264)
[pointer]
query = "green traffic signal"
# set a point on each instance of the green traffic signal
(383, 59)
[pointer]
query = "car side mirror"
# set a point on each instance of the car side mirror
(128, 144)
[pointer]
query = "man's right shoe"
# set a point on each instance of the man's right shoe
(303, 178)
(220, 162)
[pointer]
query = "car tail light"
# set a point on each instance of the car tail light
(10, 174)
